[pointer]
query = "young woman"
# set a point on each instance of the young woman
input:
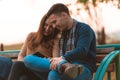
(43, 43)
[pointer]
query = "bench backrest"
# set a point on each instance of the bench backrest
(13, 54)
(101, 53)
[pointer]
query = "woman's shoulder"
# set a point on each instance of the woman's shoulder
(30, 35)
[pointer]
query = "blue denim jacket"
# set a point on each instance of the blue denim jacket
(85, 47)
(5, 66)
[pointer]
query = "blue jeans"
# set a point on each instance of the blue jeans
(42, 65)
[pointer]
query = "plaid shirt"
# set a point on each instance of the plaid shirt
(67, 39)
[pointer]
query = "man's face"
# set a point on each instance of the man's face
(56, 22)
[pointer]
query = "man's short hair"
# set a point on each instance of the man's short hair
(57, 9)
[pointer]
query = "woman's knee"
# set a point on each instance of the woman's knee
(28, 60)
(32, 59)
(37, 63)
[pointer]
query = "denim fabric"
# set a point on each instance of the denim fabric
(37, 63)
(5, 66)
(62, 62)
(20, 72)
(40, 65)
(85, 47)
(54, 75)
(86, 75)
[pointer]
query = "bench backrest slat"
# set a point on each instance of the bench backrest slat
(13, 54)
(101, 53)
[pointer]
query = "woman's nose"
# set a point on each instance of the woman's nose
(47, 28)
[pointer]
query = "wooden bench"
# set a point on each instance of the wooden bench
(101, 54)
(13, 54)
(108, 60)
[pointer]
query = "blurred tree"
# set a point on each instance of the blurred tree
(92, 12)
(95, 2)
(1, 47)
(101, 36)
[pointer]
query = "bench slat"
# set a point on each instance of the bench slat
(104, 50)
(13, 54)
(111, 67)
(101, 53)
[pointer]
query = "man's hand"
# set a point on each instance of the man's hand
(54, 62)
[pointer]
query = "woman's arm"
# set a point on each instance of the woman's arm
(56, 46)
(56, 49)
(22, 53)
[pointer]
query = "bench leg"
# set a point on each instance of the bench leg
(108, 76)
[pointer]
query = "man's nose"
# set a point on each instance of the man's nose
(54, 26)
(51, 26)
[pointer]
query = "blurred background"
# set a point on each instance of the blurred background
(19, 17)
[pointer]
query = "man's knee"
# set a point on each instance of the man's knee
(53, 75)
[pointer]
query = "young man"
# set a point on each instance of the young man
(77, 47)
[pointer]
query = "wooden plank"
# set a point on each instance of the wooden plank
(100, 58)
(111, 67)
(10, 55)
(101, 53)
(104, 50)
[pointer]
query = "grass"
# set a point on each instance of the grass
(18, 46)
(13, 46)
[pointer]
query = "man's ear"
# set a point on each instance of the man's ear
(63, 14)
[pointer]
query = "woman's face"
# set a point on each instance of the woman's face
(47, 29)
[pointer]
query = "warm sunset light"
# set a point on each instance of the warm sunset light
(19, 17)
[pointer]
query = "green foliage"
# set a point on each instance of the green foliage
(94, 2)
(85, 1)
(82, 1)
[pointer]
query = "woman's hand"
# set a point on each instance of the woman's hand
(54, 62)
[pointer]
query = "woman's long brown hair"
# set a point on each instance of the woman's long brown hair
(38, 38)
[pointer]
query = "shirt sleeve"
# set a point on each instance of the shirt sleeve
(85, 35)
